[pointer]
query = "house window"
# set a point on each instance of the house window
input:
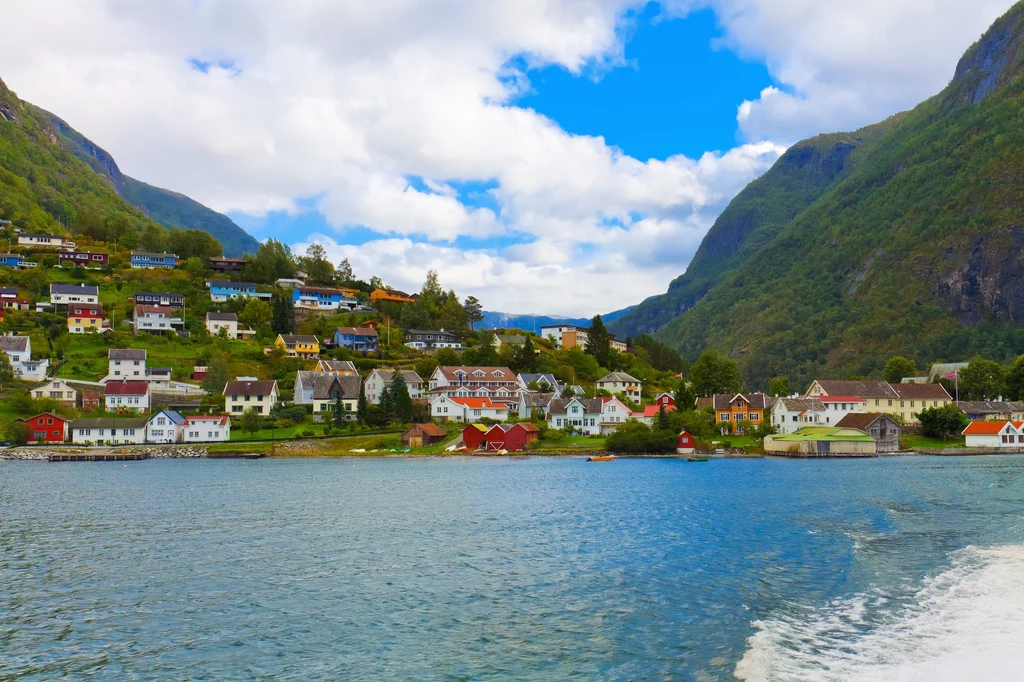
(724, 417)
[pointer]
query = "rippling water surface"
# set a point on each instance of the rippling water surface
(541, 569)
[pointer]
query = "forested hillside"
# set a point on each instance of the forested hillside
(901, 238)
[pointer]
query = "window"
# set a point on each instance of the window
(724, 417)
(890, 403)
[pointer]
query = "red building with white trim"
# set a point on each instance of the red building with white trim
(46, 427)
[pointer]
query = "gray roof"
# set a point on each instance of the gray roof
(511, 339)
(14, 343)
(339, 365)
(153, 254)
(537, 399)
(110, 423)
(620, 377)
(408, 376)
(549, 379)
(590, 405)
(222, 317)
(326, 382)
(126, 354)
(984, 407)
(801, 404)
(74, 289)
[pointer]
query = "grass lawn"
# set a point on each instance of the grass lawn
(918, 442)
(736, 441)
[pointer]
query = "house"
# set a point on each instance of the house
(109, 431)
(166, 299)
(617, 345)
(126, 395)
(565, 335)
(994, 434)
(223, 265)
(242, 394)
(991, 410)
(329, 387)
(822, 441)
(10, 301)
(905, 400)
(155, 319)
(668, 398)
(916, 397)
(345, 367)
(466, 410)
(620, 382)
(64, 294)
(450, 378)
(126, 363)
(58, 389)
(222, 290)
(791, 414)
(513, 340)
(362, 339)
(421, 435)
(207, 429)
(392, 296)
(145, 259)
(199, 372)
(473, 436)
(83, 258)
(46, 428)
(11, 260)
(838, 406)
(540, 380)
(590, 416)
(86, 317)
(319, 298)
(882, 427)
(733, 409)
(686, 444)
(298, 346)
(421, 339)
(227, 321)
(45, 241)
(534, 401)
(19, 352)
(379, 379)
(92, 399)
(509, 437)
(31, 370)
(166, 426)
(650, 413)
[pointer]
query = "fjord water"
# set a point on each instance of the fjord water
(462, 569)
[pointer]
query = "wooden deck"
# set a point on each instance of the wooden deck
(96, 457)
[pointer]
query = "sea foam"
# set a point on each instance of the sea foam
(966, 623)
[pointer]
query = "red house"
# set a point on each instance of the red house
(82, 258)
(199, 372)
(666, 399)
(473, 436)
(686, 444)
(46, 427)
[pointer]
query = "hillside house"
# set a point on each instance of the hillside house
(513, 340)
(109, 431)
(46, 428)
(166, 299)
(320, 298)
(65, 294)
(740, 407)
(57, 389)
(534, 401)
(426, 340)
(298, 346)
(215, 322)
(329, 387)
(617, 345)
(392, 296)
(545, 383)
(905, 400)
(83, 258)
(360, 339)
(466, 410)
(126, 363)
(148, 260)
(991, 410)
(45, 241)
(11, 260)
(156, 320)
(791, 414)
(838, 406)
(86, 317)
(882, 427)
(621, 383)
(344, 367)
(242, 394)
(19, 353)
(590, 416)
(222, 290)
(379, 379)
(207, 428)
(649, 414)
(223, 265)
(166, 426)
(126, 395)
(449, 378)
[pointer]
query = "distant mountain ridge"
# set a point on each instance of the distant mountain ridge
(900, 238)
(533, 323)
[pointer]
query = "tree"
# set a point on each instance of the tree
(401, 401)
(526, 357)
(272, 262)
(660, 356)
(18, 432)
(283, 318)
(662, 424)
(981, 380)
(599, 342)
(474, 311)
(942, 422)
(898, 368)
(361, 405)
(686, 398)
(318, 269)
(251, 421)
(153, 238)
(432, 294)
(6, 371)
(339, 409)
(387, 406)
(344, 271)
(715, 373)
(1015, 380)
(452, 315)
(256, 313)
(446, 357)
(779, 386)
(217, 373)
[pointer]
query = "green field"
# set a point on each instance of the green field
(918, 442)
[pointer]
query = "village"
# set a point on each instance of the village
(343, 377)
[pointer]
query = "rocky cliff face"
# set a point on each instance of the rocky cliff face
(991, 63)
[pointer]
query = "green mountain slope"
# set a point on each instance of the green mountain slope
(163, 206)
(912, 246)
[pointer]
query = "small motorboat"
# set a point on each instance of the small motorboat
(697, 458)
(601, 458)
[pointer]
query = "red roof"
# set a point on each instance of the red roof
(220, 419)
(988, 428)
(126, 388)
(477, 403)
(528, 427)
(652, 410)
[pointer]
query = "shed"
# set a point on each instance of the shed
(473, 435)
(423, 434)
(881, 427)
(822, 441)
(686, 445)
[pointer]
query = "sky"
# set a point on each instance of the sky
(559, 157)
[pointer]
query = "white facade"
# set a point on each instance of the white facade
(207, 429)
(31, 370)
(135, 403)
(125, 433)
(45, 240)
(57, 389)
(239, 396)
(993, 435)
(377, 381)
(466, 410)
(127, 369)
(63, 294)
(838, 407)
(557, 332)
(620, 382)
(165, 426)
(790, 414)
(156, 320)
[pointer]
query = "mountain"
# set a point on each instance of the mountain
(62, 172)
(532, 323)
(901, 238)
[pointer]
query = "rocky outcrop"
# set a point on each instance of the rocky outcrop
(991, 63)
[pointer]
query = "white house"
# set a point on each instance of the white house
(466, 410)
(379, 379)
(126, 363)
(109, 431)
(997, 434)
(228, 321)
(790, 414)
(837, 407)
(447, 379)
(155, 319)
(19, 351)
(166, 426)
(591, 416)
(51, 241)
(241, 394)
(208, 428)
(620, 382)
(58, 389)
(63, 294)
(126, 395)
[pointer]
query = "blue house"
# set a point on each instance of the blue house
(11, 260)
(143, 259)
(356, 338)
(223, 290)
(318, 298)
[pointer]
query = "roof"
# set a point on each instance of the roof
(222, 317)
(825, 433)
(451, 372)
(41, 414)
(47, 236)
(73, 289)
(227, 259)
(318, 290)
(151, 254)
(171, 414)
(479, 427)
(393, 292)
(549, 379)
(429, 429)
(9, 291)
(861, 420)
(14, 343)
(801, 404)
(264, 387)
(477, 403)
(157, 293)
(87, 307)
(326, 383)
(228, 284)
(358, 331)
(653, 410)
(984, 407)
(922, 392)
(126, 354)
(755, 401)
(436, 332)
(13, 255)
(339, 365)
(864, 388)
(297, 338)
(988, 428)
(528, 427)
(221, 419)
(110, 423)
(590, 405)
(126, 388)
(512, 339)
(842, 399)
(620, 377)
(534, 399)
(408, 376)
(147, 309)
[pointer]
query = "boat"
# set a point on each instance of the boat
(698, 458)
(601, 458)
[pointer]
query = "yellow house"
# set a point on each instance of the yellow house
(392, 295)
(84, 318)
(294, 345)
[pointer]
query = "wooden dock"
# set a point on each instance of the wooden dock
(96, 457)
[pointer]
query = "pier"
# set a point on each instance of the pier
(96, 456)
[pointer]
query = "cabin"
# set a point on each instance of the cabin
(473, 436)
(510, 437)
(421, 435)
(686, 444)
(883, 428)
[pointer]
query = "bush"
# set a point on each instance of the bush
(308, 433)
(295, 413)
(635, 437)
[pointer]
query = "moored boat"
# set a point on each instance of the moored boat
(601, 458)
(697, 459)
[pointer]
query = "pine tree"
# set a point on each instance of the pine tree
(599, 342)
(663, 423)
(387, 405)
(361, 406)
(401, 401)
(526, 358)
(474, 311)
(339, 408)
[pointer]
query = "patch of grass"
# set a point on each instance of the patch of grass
(912, 442)
(737, 441)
